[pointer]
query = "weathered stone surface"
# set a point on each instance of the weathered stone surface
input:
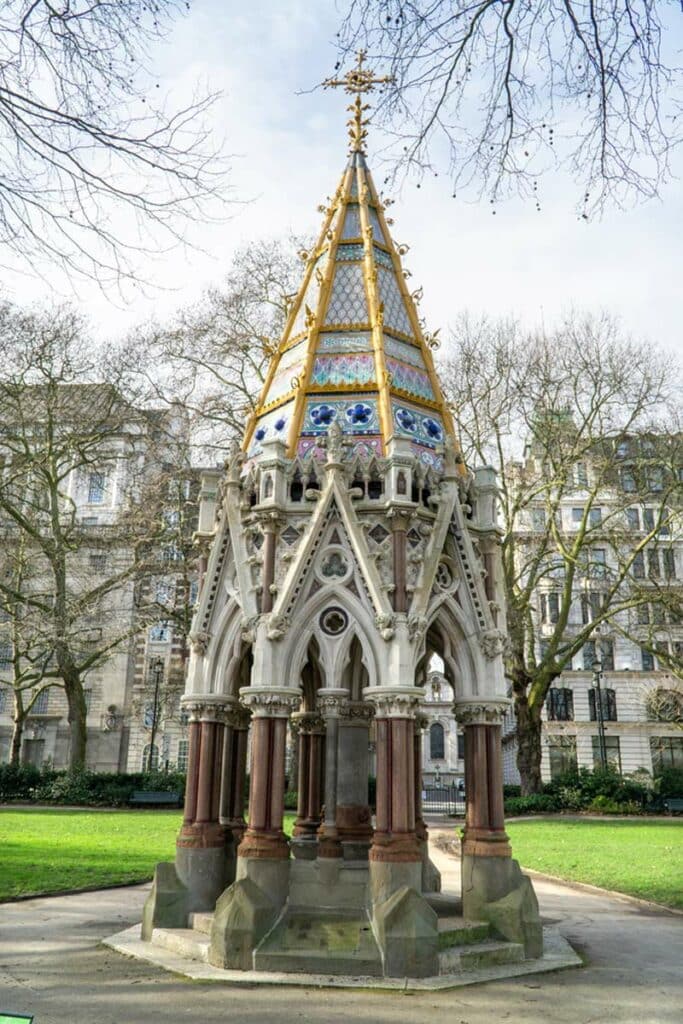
(244, 914)
(166, 906)
(431, 876)
(204, 872)
(495, 889)
(387, 877)
(406, 930)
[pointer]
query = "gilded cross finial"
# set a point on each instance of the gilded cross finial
(357, 81)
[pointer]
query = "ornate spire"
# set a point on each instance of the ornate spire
(354, 351)
(356, 82)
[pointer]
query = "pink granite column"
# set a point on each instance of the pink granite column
(395, 838)
(201, 826)
(484, 834)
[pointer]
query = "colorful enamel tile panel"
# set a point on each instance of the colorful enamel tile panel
(365, 447)
(352, 226)
(409, 378)
(395, 314)
(351, 341)
(382, 258)
(348, 303)
(290, 366)
(356, 415)
(354, 251)
(403, 351)
(342, 370)
(424, 428)
(272, 424)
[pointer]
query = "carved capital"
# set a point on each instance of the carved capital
(417, 626)
(208, 707)
(481, 712)
(306, 723)
(270, 702)
(394, 701)
(332, 702)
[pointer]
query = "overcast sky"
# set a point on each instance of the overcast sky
(289, 149)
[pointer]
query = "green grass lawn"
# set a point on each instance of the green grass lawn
(640, 858)
(49, 850)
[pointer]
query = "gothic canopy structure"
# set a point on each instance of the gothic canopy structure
(346, 544)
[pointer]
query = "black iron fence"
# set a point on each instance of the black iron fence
(446, 799)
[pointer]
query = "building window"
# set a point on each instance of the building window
(550, 607)
(606, 655)
(96, 485)
(4, 692)
(643, 614)
(591, 606)
(577, 515)
(155, 758)
(609, 704)
(560, 704)
(562, 754)
(171, 553)
(42, 703)
(633, 518)
(655, 479)
(647, 660)
(461, 746)
(183, 749)
(5, 655)
(437, 746)
(164, 592)
(194, 593)
(653, 565)
(160, 632)
(639, 566)
(649, 519)
(581, 474)
(538, 518)
(87, 696)
(667, 752)
(98, 561)
(612, 752)
(669, 563)
(628, 481)
(599, 559)
(595, 516)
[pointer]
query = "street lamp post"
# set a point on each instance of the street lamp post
(157, 676)
(597, 679)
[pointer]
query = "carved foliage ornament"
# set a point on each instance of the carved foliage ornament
(266, 703)
(481, 712)
(492, 643)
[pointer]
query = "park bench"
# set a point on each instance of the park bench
(155, 799)
(674, 805)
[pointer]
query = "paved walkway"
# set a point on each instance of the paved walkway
(52, 966)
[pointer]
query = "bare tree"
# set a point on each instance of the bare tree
(86, 146)
(76, 457)
(497, 92)
(575, 424)
(212, 358)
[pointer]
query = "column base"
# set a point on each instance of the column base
(495, 889)
(329, 847)
(387, 877)
(204, 871)
(395, 847)
(269, 845)
(269, 874)
(482, 842)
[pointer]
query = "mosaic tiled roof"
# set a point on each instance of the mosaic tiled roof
(353, 349)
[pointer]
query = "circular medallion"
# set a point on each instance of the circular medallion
(333, 621)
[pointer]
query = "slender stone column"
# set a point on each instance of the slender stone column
(421, 722)
(270, 708)
(332, 702)
(484, 834)
(233, 770)
(310, 728)
(354, 823)
(395, 855)
(399, 553)
(201, 855)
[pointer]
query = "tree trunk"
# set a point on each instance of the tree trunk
(528, 747)
(76, 717)
(17, 737)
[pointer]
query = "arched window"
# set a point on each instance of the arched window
(437, 746)
(609, 705)
(155, 758)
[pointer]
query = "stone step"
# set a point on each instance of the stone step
(337, 944)
(202, 922)
(456, 931)
(480, 956)
(444, 903)
(185, 941)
